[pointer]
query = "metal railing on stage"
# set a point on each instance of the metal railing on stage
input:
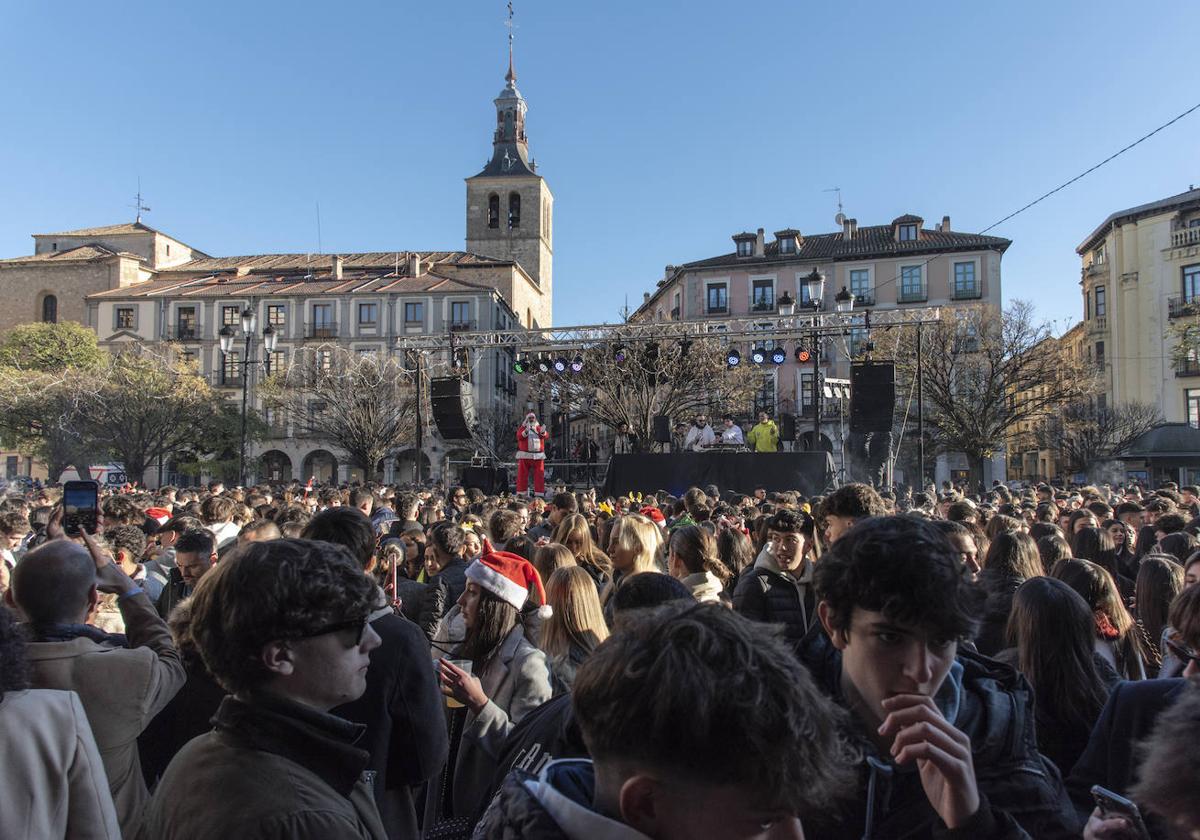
(578, 475)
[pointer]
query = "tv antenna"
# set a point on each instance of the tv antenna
(138, 206)
(841, 217)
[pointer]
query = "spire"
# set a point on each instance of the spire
(511, 75)
(510, 146)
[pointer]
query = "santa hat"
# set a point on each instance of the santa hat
(509, 577)
(159, 515)
(654, 514)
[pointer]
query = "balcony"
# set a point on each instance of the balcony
(867, 299)
(966, 293)
(321, 330)
(830, 410)
(461, 326)
(1098, 324)
(717, 310)
(763, 306)
(1183, 306)
(1187, 367)
(1096, 269)
(220, 380)
(913, 295)
(1185, 237)
(183, 332)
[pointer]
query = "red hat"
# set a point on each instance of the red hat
(510, 577)
(654, 514)
(159, 515)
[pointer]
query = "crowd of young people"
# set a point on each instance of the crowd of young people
(376, 662)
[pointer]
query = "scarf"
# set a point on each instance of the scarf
(53, 632)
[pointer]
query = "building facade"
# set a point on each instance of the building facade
(1028, 460)
(888, 266)
(1140, 275)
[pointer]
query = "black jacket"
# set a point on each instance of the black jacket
(991, 638)
(991, 704)
(763, 593)
(1111, 754)
(189, 714)
(175, 591)
(442, 592)
(402, 710)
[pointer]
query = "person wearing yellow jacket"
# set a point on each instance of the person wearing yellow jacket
(765, 436)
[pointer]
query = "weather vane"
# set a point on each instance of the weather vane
(138, 206)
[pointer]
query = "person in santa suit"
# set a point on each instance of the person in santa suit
(531, 454)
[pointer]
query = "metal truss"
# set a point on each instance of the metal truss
(778, 327)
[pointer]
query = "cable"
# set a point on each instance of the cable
(1063, 185)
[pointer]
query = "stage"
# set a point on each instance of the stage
(806, 472)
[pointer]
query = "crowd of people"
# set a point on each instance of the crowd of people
(390, 662)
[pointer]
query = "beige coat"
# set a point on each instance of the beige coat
(121, 689)
(51, 775)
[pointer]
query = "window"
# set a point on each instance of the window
(277, 361)
(718, 298)
(1087, 306)
(806, 391)
(231, 365)
(368, 314)
(745, 247)
(1101, 303)
(965, 282)
(188, 356)
(460, 312)
(514, 210)
(185, 322)
(1191, 283)
(414, 313)
(1098, 255)
(53, 246)
(860, 283)
(912, 286)
(1191, 398)
(858, 341)
(907, 233)
(1194, 223)
(1100, 355)
(168, 250)
(493, 216)
(50, 309)
(322, 315)
(762, 295)
(126, 318)
(787, 245)
(231, 316)
(277, 314)
(764, 397)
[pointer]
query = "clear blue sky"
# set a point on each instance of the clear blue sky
(661, 127)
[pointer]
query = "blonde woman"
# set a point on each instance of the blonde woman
(574, 533)
(576, 626)
(636, 543)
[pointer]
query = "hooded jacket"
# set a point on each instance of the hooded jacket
(1021, 793)
(767, 593)
(705, 586)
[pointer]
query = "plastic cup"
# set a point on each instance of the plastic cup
(464, 664)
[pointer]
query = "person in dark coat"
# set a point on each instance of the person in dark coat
(778, 589)
(447, 575)
(893, 602)
(401, 707)
(1011, 559)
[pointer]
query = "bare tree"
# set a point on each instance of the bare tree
(362, 403)
(986, 370)
(632, 383)
(1081, 432)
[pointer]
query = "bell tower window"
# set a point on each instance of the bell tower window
(50, 309)
(493, 211)
(514, 210)
(508, 125)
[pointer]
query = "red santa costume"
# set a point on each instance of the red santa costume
(531, 454)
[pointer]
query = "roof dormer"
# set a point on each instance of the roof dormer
(789, 241)
(745, 243)
(907, 228)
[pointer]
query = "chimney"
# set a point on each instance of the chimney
(759, 243)
(414, 264)
(645, 297)
(337, 267)
(945, 225)
(849, 228)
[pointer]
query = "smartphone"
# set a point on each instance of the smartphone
(81, 507)
(1114, 805)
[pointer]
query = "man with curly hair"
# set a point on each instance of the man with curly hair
(699, 723)
(845, 506)
(947, 735)
(284, 627)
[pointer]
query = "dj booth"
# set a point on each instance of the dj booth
(675, 472)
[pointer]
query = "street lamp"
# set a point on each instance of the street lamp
(844, 300)
(814, 285)
(270, 342)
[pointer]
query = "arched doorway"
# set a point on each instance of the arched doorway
(50, 309)
(321, 466)
(275, 466)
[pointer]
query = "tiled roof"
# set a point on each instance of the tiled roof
(222, 286)
(875, 241)
(106, 230)
(268, 263)
(84, 253)
(1132, 213)
(907, 219)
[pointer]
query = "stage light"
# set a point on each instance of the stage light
(619, 354)
(758, 355)
(521, 366)
(733, 358)
(543, 364)
(803, 354)
(577, 364)
(560, 365)
(778, 356)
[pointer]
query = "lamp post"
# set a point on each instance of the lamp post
(270, 340)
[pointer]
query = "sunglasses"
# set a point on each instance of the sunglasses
(1186, 655)
(359, 625)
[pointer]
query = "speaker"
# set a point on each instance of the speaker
(662, 428)
(453, 407)
(872, 396)
(787, 426)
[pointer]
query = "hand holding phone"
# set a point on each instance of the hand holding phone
(81, 507)
(1115, 818)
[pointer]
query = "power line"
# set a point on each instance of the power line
(1066, 184)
